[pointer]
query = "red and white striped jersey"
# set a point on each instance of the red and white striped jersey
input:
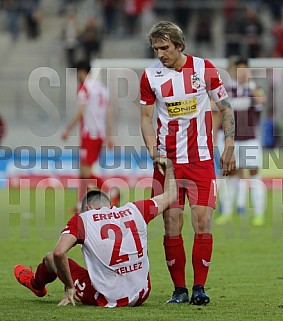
(114, 245)
(182, 98)
(94, 95)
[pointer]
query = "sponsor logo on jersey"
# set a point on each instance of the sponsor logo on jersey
(158, 73)
(195, 80)
(182, 107)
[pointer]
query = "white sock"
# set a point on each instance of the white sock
(227, 188)
(242, 193)
(258, 195)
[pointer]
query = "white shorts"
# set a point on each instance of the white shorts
(248, 153)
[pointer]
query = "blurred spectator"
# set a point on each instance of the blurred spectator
(233, 38)
(64, 5)
(13, 9)
(252, 30)
(275, 7)
(147, 15)
(204, 27)
(109, 8)
(268, 131)
(32, 17)
(248, 101)
(70, 32)
(132, 11)
(2, 129)
(230, 8)
(181, 13)
(90, 39)
(277, 33)
(138, 14)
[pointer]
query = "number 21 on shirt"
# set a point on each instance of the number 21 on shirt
(116, 257)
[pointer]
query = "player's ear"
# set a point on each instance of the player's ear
(179, 47)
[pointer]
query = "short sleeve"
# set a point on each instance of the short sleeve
(147, 95)
(148, 209)
(82, 95)
(214, 83)
(75, 227)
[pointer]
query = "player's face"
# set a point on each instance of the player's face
(166, 52)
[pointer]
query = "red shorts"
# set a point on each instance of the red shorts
(86, 292)
(90, 150)
(196, 180)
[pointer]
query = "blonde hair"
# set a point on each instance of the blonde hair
(164, 30)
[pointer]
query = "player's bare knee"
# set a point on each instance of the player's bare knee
(173, 227)
(204, 224)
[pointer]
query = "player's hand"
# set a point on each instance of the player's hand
(228, 161)
(160, 161)
(109, 142)
(70, 297)
(65, 135)
(169, 163)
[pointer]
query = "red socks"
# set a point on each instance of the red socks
(175, 259)
(42, 277)
(201, 255)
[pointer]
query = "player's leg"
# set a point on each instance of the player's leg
(227, 187)
(175, 253)
(45, 273)
(144, 294)
(201, 193)
(80, 277)
(257, 187)
(258, 196)
(85, 290)
(89, 154)
(201, 217)
(242, 192)
(173, 241)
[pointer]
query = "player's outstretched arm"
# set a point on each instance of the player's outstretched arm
(65, 243)
(227, 160)
(76, 119)
(170, 188)
(147, 128)
(149, 136)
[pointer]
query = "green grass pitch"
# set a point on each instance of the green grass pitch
(245, 280)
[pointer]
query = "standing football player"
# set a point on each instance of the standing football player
(180, 87)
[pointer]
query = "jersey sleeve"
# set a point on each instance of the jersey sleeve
(147, 95)
(82, 95)
(75, 227)
(148, 209)
(214, 83)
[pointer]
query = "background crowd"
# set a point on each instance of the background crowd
(69, 30)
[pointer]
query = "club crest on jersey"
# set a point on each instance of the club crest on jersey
(195, 81)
